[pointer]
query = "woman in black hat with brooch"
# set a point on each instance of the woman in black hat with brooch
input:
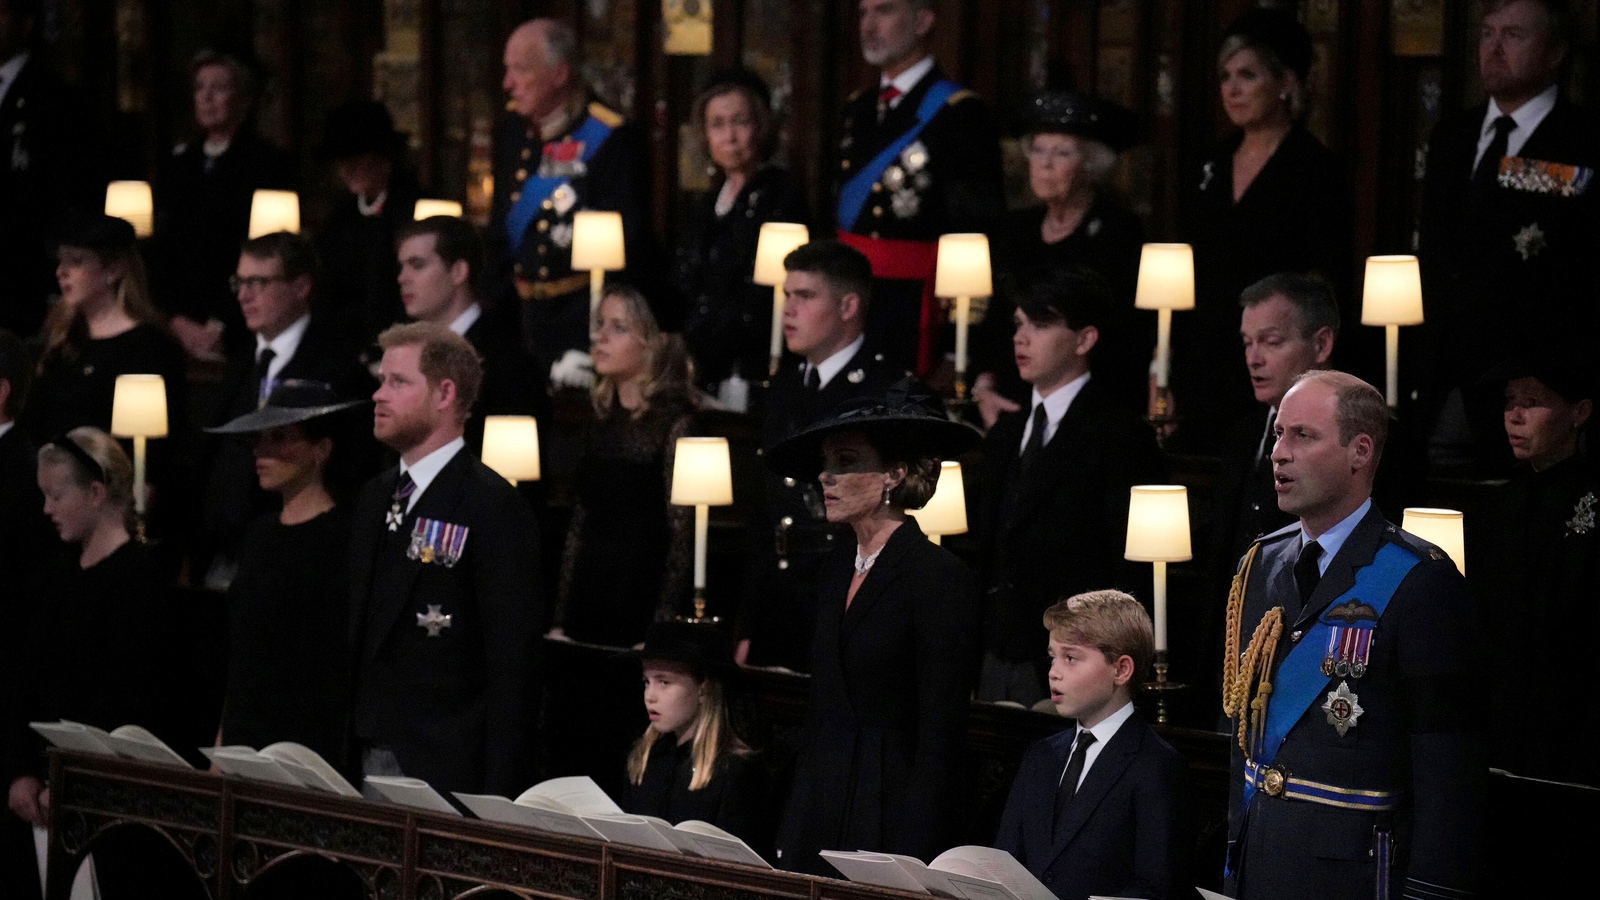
(288, 606)
(895, 646)
(1072, 142)
(689, 763)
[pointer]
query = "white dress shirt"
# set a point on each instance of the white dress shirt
(283, 346)
(9, 72)
(835, 363)
(1055, 408)
(467, 319)
(906, 80)
(427, 468)
(1103, 733)
(1528, 116)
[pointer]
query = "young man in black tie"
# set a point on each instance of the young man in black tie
(1053, 507)
(445, 584)
(1093, 809)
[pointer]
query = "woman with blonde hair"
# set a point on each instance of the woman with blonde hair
(628, 554)
(689, 763)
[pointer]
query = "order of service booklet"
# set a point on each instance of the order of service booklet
(961, 873)
(285, 762)
(129, 741)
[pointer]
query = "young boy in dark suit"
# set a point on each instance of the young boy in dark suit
(1093, 808)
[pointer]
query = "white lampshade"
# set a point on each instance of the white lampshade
(427, 209)
(139, 406)
(597, 241)
(1158, 523)
(274, 211)
(946, 513)
(130, 200)
(1439, 526)
(701, 475)
(778, 239)
(1392, 292)
(1166, 277)
(511, 447)
(963, 268)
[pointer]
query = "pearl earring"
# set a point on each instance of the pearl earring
(886, 490)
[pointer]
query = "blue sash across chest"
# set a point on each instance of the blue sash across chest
(853, 195)
(591, 134)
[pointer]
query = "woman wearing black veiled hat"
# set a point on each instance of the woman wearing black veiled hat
(1270, 198)
(729, 320)
(896, 638)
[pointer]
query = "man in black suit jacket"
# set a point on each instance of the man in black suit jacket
(827, 290)
(1093, 809)
(1510, 223)
(1053, 501)
(444, 585)
(275, 281)
(1360, 758)
(943, 174)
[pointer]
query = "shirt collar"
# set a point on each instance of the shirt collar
(908, 79)
(428, 468)
(467, 319)
(285, 344)
(1528, 115)
(6, 426)
(831, 366)
(1334, 538)
(1060, 400)
(8, 72)
(1107, 729)
(565, 116)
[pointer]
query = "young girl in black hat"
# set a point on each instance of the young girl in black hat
(690, 764)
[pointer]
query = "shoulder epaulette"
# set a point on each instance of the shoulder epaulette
(959, 96)
(1413, 544)
(605, 114)
(1285, 531)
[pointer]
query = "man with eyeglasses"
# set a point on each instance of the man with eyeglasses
(274, 282)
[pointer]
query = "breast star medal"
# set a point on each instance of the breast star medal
(433, 620)
(1343, 708)
(1529, 241)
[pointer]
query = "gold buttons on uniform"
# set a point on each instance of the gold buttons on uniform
(527, 152)
(877, 211)
(844, 163)
(515, 196)
(543, 249)
(542, 225)
(547, 205)
(517, 268)
(522, 174)
(544, 271)
(877, 188)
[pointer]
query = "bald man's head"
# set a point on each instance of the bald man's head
(540, 70)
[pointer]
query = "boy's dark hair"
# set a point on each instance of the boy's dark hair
(16, 368)
(453, 239)
(846, 269)
(1309, 293)
(295, 253)
(1076, 296)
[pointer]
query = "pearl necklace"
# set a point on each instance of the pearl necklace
(864, 564)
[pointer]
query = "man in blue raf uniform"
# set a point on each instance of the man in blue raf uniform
(1349, 668)
(561, 151)
(918, 157)
(444, 567)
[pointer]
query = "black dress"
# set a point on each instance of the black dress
(734, 800)
(288, 634)
(359, 293)
(729, 319)
(1107, 241)
(73, 392)
(629, 552)
(1294, 217)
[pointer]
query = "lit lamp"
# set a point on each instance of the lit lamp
(274, 211)
(963, 273)
(511, 447)
(778, 239)
(130, 200)
(1441, 527)
(946, 512)
(139, 411)
(1166, 283)
(701, 478)
(1391, 296)
(1158, 532)
(597, 246)
(427, 209)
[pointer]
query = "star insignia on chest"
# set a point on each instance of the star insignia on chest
(1529, 241)
(1582, 521)
(433, 620)
(1343, 708)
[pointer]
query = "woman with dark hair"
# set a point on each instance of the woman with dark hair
(896, 642)
(104, 326)
(1270, 198)
(629, 552)
(288, 606)
(729, 319)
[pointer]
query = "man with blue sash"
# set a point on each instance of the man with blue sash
(560, 152)
(1358, 770)
(918, 157)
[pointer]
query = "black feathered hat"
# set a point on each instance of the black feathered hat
(908, 414)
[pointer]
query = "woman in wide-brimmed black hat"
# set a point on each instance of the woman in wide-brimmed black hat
(896, 638)
(288, 604)
(689, 763)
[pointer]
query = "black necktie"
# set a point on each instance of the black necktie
(1030, 450)
(1489, 166)
(263, 365)
(1069, 778)
(1306, 572)
(813, 379)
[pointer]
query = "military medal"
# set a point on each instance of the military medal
(1529, 241)
(1350, 645)
(1343, 708)
(561, 235)
(894, 178)
(394, 516)
(905, 203)
(397, 507)
(915, 156)
(562, 159)
(1543, 177)
(562, 199)
(433, 620)
(433, 541)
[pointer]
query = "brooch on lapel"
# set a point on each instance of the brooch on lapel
(1582, 521)
(433, 541)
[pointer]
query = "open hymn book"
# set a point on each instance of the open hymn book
(962, 873)
(285, 762)
(577, 807)
(129, 741)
